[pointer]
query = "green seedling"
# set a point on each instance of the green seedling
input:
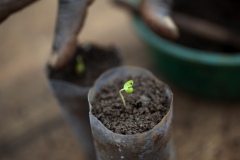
(128, 89)
(80, 67)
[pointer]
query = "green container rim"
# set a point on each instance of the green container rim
(182, 52)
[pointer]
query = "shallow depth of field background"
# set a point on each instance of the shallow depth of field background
(31, 123)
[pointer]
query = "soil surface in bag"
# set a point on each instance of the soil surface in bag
(95, 59)
(224, 13)
(145, 106)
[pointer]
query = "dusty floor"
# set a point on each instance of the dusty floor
(31, 124)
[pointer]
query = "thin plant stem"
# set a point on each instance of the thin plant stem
(123, 100)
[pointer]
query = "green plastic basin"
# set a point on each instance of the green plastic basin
(210, 74)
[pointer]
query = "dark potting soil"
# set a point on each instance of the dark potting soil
(145, 107)
(222, 12)
(96, 60)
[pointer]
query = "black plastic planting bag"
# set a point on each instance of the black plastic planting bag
(155, 144)
(73, 102)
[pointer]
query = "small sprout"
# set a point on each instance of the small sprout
(80, 67)
(127, 88)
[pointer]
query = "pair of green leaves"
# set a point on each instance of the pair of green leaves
(128, 86)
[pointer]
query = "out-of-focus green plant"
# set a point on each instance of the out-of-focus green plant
(80, 67)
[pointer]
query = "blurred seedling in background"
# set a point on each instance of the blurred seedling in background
(80, 67)
(128, 89)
